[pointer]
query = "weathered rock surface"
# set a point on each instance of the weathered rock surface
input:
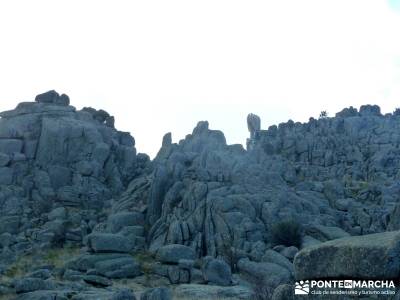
(199, 291)
(161, 293)
(202, 211)
(274, 257)
(59, 168)
(372, 256)
(108, 242)
(25, 285)
(268, 274)
(174, 253)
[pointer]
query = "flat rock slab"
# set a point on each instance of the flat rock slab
(173, 253)
(269, 274)
(373, 256)
(98, 281)
(118, 268)
(107, 242)
(45, 295)
(327, 233)
(105, 295)
(202, 291)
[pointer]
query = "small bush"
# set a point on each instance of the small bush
(230, 252)
(287, 233)
(145, 259)
(261, 290)
(55, 256)
(323, 114)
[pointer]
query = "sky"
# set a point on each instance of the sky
(162, 66)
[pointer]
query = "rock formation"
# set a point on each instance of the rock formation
(204, 218)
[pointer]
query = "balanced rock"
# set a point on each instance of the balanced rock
(52, 97)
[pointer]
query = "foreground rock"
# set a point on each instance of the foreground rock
(25, 285)
(216, 271)
(374, 256)
(99, 294)
(200, 211)
(161, 293)
(199, 291)
(266, 274)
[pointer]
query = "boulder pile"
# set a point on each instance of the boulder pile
(84, 216)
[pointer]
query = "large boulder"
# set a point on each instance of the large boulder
(25, 285)
(174, 252)
(274, 257)
(108, 242)
(52, 97)
(267, 274)
(253, 124)
(374, 256)
(86, 262)
(125, 267)
(216, 271)
(326, 233)
(118, 221)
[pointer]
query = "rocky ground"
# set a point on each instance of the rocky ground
(84, 216)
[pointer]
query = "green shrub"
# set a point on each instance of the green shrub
(287, 233)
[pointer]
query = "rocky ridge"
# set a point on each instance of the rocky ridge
(204, 219)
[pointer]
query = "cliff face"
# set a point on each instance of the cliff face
(69, 179)
(355, 155)
(340, 172)
(56, 159)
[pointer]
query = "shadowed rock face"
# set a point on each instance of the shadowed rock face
(53, 156)
(201, 210)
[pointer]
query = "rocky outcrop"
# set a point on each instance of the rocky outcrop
(372, 256)
(205, 218)
(213, 197)
(59, 169)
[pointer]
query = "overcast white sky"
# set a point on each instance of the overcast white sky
(161, 66)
